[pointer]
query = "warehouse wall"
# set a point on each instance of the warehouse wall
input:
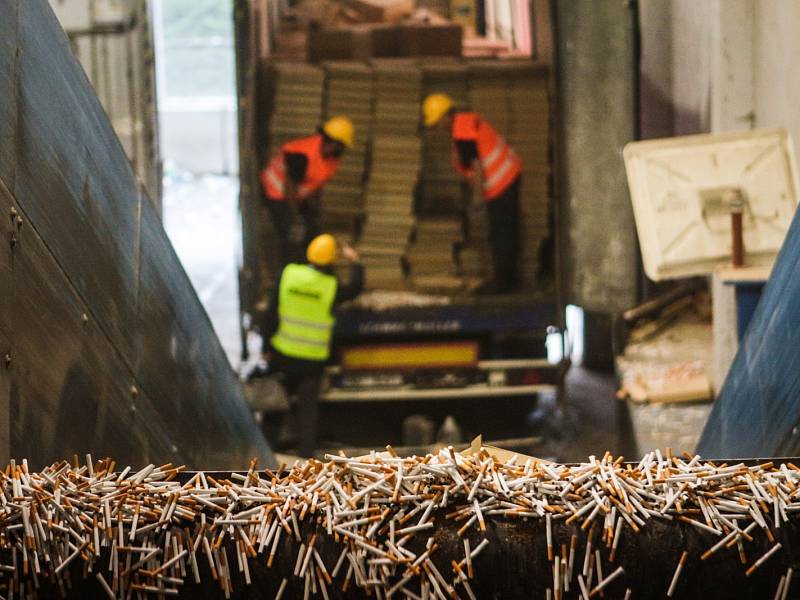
(719, 65)
(596, 96)
(776, 71)
(675, 100)
(104, 344)
(119, 64)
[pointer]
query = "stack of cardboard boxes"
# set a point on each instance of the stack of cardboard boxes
(529, 135)
(296, 96)
(397, 180)
(348, 92)
(431, 256)
(395, 164)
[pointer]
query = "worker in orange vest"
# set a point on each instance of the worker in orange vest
(476, 141)
(292, 180)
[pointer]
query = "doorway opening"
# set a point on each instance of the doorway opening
(196, 86)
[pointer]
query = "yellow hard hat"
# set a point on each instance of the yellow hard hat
(340, 129)
(434, 107)
(322, 250)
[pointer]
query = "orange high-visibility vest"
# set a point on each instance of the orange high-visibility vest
(318, 171)
(500, 166)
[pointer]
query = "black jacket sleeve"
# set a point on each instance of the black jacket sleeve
(353, 288)
(296, 165)
(467, 152)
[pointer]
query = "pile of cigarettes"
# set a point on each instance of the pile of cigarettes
(153, 531)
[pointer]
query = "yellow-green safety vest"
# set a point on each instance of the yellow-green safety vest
(305, 313)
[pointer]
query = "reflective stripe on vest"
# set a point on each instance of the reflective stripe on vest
(318, 170)
(500, 166)
(305, 317)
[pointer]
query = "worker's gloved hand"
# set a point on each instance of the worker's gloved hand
(349, 252)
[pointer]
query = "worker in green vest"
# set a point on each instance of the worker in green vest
(299, 326)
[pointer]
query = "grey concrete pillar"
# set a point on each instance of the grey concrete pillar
(596, 76)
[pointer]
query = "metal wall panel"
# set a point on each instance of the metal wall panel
(8, 108)
(7, 228)
(180, 359)
(48, 339)
(90, 216)
(69, 387)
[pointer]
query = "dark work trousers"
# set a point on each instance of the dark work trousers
(302, 380)
(288, 249)
(503, 213)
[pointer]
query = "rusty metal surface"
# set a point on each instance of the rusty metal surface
(6, 228)
(68, 151)
(8, 107)
(111, 349)
(49, 326)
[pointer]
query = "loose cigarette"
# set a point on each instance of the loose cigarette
(763, 559)
(171, 562)
(598, 566)
(281, 589)
(699, 525)
(677, 575)
(70, 558)
(616, 539)
(479, 548)
(573, 544)
(557, 577)
(779, 591)
(414, 528)
(725, 540)
(105, 586)
(549, 537)
(479, 513)
(468, 589)
(786, 585)
(299, 562)
(582, 584)
(468, 558)
(602, 584)
(274, 547)
(340, 562)
(588, 555)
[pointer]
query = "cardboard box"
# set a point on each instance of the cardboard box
(429, 40)
(383, 11)
(384, 41)
(341, 43)
(360, 42)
